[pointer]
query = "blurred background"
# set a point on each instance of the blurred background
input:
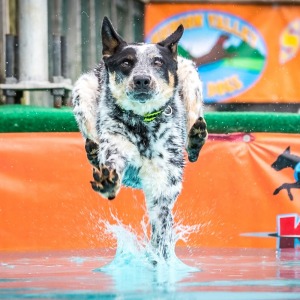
(247, 52)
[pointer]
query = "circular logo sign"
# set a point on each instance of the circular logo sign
(229, 53)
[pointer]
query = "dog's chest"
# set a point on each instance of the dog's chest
(155, 148)
(150, 139)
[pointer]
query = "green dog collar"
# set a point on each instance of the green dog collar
(152, 116)
(149, 117)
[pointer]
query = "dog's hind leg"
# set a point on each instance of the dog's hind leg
(191, 94)
(162, 231)
(162, 184)
(196, 139)
(190, 90)
(85, 96)
(288, 187)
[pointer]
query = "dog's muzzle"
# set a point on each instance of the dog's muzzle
(142, 88)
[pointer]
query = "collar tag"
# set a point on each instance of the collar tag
(168, 111)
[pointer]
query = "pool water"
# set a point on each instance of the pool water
(205, 273)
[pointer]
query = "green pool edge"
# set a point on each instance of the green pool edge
(23, 118)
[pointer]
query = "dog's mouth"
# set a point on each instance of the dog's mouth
(141, 97)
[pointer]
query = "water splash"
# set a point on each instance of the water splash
(133, 262)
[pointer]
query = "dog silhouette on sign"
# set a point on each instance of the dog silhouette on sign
(288, 160)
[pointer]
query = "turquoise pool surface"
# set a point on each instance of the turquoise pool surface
(215, 274)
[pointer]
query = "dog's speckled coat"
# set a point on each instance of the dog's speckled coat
(138, 110)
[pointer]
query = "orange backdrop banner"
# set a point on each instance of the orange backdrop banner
(244, 53)
(46, 201)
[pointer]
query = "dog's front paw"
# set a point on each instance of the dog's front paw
(91, 149)
(106, 182)
(196, 139)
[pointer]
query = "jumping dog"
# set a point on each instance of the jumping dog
(137, 111)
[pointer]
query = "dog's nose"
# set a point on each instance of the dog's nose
(142, 82)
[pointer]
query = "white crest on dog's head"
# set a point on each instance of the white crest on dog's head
(142, 77)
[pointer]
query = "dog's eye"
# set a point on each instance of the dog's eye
(158, 62)
(126, 63)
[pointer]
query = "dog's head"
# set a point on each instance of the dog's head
(283, 160)
(141, 77)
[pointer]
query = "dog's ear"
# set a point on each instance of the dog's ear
(110, 39)
(171, 41)
(287, 150)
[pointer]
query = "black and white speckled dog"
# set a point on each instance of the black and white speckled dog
(138, 110)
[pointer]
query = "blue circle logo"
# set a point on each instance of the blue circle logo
(230, 54)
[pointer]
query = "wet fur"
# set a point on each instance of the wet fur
(110, 104)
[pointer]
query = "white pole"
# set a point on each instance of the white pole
(4, 28)
(33, 40)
